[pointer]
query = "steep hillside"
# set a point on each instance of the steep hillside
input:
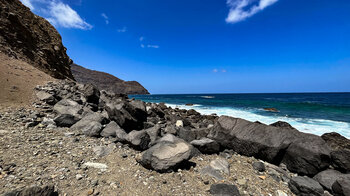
(26, 36)
(106, 81)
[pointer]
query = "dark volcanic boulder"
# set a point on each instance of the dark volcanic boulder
(341, 186)
(139, 139)
(327, 178)
(185, 134)
(224, 190)
(114, 130)
(341, 160)
(305, 186)
(66, 120)
(307, 156)
(336, 141)
(166, 156)
(206, 145)
(129, 115)
(67, 106)
(34, 191)
(282, 125)
(91, 93)
(252, 139)
(302, 153)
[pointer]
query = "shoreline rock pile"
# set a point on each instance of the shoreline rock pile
(168, 138)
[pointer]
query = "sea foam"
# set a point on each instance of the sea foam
(314, 126)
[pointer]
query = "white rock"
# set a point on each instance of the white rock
(96, 165)
(179, 123)
(280, 193)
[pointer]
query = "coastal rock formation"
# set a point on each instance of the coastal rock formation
(26, 36)
(105, 81)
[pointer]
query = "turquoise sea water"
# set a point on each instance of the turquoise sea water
(315, 113)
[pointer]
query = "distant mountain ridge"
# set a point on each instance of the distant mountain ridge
(106, 81)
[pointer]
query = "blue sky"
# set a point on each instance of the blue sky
(209, 46)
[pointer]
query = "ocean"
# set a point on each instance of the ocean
(315, 113)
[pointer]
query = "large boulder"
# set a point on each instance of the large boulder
(336, 141)
(166, 156)
(305, 186)
(153, 133)
(114, 130)
(307, 156)
(67, 106)
(341, 160)
(327, 178)
(185, 134)
(46, 97)
(66, 120)
(34, 191)
(341, 186)
(206, 145)
(302, 153)
(224, 190)
(91, 93)
(90, 124)
(129, 115)
(139, 139)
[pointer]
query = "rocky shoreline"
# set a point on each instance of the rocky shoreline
(77, 135)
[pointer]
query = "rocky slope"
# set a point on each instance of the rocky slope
(26, 36)
(151, 149)
(106, 81)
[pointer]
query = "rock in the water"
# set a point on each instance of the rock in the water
(224, 190)
(66, 120)
(166, 156)
(327, 178)
(46, 97)
(341, 186)
(259, 166)
(305, 186)
(34, 191)
(206, 145)
(139, 139)
(220, 164)
(341, 160)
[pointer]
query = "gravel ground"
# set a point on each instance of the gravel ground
(41, 156)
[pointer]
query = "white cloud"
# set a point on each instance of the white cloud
(242, 9)
(122, 30)
(215, 70)
(28, 3)
(152, 46)
(105, 17)
(63, 15)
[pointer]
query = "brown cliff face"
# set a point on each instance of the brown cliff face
(26, 36)
(106, 81)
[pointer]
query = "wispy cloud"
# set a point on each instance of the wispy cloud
(28, 3)
(142, 38)
(105, 17)
(217, 70)
(122, 30)
(58, 13)
(152, 46)
(143, 45)
(242, 9)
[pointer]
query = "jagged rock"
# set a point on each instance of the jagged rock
(166, 156)
(201, 132)
(224, 190)
(34, 191)
(114, 130)
(91, 117)
(336, 141)
(66, 120)
(341, 160)
(153, 133)
(273, 144)
(341, 186)
(46, 97)
(66, 106)
(206, 145)
(327, 178)
(282, 125)
(170, 129)
(89, 128)
(259, 166)
(139, 139)
(305, 186)
(185, 134)
(307, 156)
(32, 38)
(91, 93)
